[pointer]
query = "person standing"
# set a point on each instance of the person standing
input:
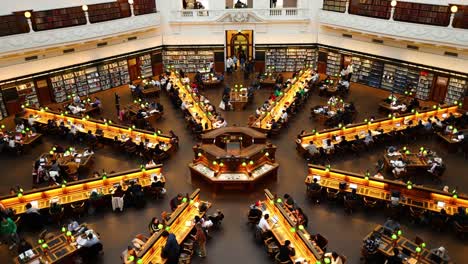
(211, 66)
(229, 64)
(234, 60)
(201, 240)
(273, 3)
(171, 250)
(8, 231)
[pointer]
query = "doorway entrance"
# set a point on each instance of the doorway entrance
(239, 43)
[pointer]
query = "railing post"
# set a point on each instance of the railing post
(392, 10)
(130, 2)
(347, 7)
(453, 10)
(27, 15)
(85, 9)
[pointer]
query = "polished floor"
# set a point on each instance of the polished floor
(234, 242)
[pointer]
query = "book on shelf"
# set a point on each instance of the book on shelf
(290, 59)
(188, 61)
(456, 90)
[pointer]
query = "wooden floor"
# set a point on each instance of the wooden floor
(234, 242)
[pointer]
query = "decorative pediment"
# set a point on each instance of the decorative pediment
(240, 17)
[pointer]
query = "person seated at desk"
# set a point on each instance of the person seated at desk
(436, 163)
(19, 127)
(440, 253)
(399, 167)
(135, 191)
(274, 124)
(31, 210)
(301, 217)
(414, 104)
(264, 226)
(461, 217)
(284, 116)
(459, 137)
(371, 245)
(438, 123)
(285, 253)
(289, 202)
(220, 123)
(328, 146)
(312, 149)
(391, 225)
(334, 257)
(358, 144)
(154, 225)
(450, 120)
(352, 196)
(118, 198)
(31, 120)
(157, 150)
(314, 186)
(96, 103)
(379, 175)
(175, 202)
(75, 109)
(73, 226)
(368, 139)
(255, 212)
(88, 240)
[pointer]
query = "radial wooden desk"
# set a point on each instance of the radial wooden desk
(76, 191)
(361, 129)
(196, 111)
(381, 189)
(286, 229)
(282, 102)
(109, 131)
(406, 246)
(180, 223)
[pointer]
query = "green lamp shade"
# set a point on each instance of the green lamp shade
(168, 228)
(64, 229)
(394, 237)
(221, 164)
(423, 245)
(184, 200)
(272, 202)
(301, 227)
(139, 261)
(292, 229)
(251, 162)
(214, 162)
(199, 154)
(131, 258)
(279, 200)
(399, 233)
(327, 260)
(20, 195)
(45, 245)
(418, 249)
(244, 164)
(69, 233)
(160, 226)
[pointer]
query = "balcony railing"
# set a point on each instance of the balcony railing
(239, 15)
(69, 35)
(391, 28)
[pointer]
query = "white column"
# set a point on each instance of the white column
(392, 11)
(27, 15)
(130, 2)
(347, 7)
(453, 10)
(85, 9)
(260, 4)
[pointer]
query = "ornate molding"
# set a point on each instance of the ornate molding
(70, 35)
(395, 29)
(240, 17)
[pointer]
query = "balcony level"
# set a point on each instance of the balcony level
(32, 30)
(244, 15)
(424, 23)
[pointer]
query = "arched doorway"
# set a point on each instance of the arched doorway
(238, 42)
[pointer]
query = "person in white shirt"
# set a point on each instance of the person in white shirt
(90, 240)
(75, 109)
(379, 175)
(168, 86)
(284, 116)
(334, 257)
(229, 64)
(437, 162)
(31, 120)
(12, 143)
(211, 66)
(459, 137)
(19, 127)
(263, 223)
(398, 167)
(132, 87)
(76, 99)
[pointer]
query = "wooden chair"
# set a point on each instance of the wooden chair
(315, 195)
(350, 205)
(332, 195)
(370, 202)
(278, 261)
(460, 230)
(78, 208)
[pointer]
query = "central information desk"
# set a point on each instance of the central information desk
(196, 110)
(234, 157)
(381, 189)
(406, 247)
(284, 228)
(388, 125)
(106, 129)
(78, 190)
(180, 224)
(282, 102)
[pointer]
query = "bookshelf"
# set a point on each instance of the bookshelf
(123, 72)
(58, 88)
(3, 111)
(27, 93)
(93, 80)
(333, 63)
(335, 5)
(141, 7)
(356, 61)
(58, 18)
(371, 8)
(69, 83)
(456, 89)
(104, 77)
(81, 83)
(370, 72)
(13, 24)
(290, 59)
(188, 60)
(146, 69)
(111, 74)
(104, 12)
(460, 19)
(423, 90)
(422, 13)
(399, 79)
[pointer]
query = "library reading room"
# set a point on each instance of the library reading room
(234, 132)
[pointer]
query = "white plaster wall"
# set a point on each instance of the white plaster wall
(9, 6)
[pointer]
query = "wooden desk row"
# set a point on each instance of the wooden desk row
(196, 110)
(286, 229)
(406, 247)
(361, 129)
(76, 191)
(282, 102)
(381, 189)
(109, 131)
(180, 224)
